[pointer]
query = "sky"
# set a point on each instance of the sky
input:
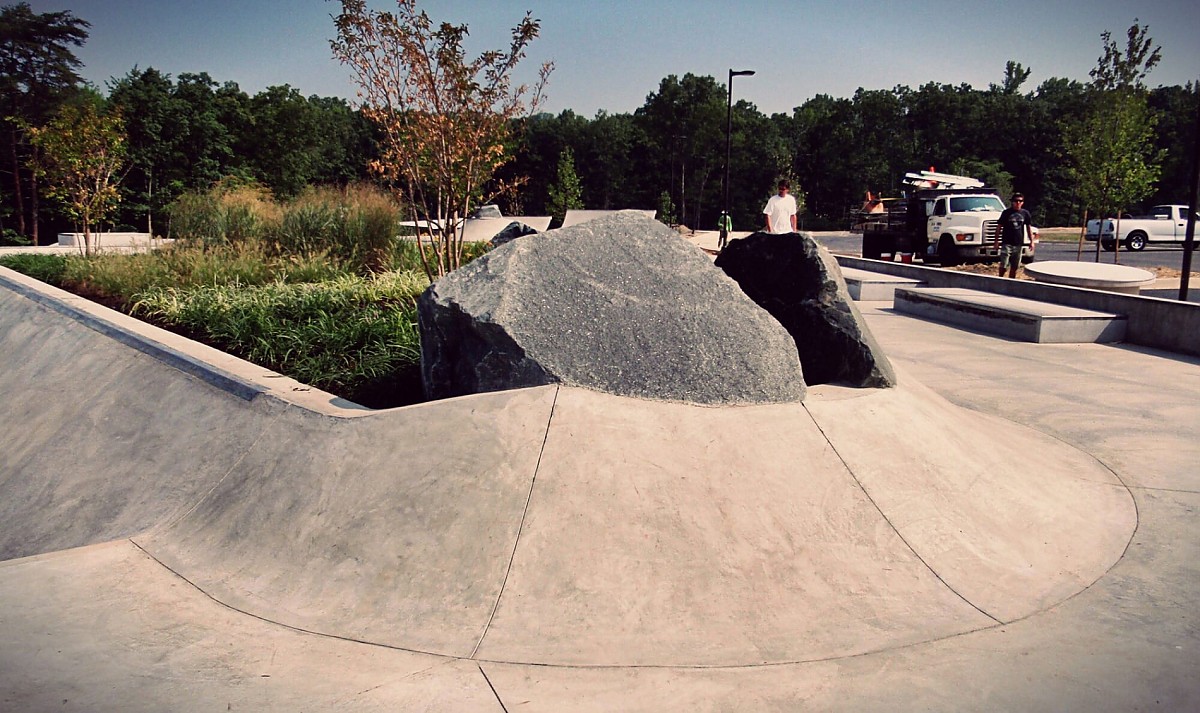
(610, 54)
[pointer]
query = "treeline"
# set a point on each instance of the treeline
(835, 149)
(189, 132)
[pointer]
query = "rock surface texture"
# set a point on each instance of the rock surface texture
(511, 232)
(619, 305)
(800, 284)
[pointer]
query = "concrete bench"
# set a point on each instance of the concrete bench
(110, 240)
(1093, 275)
(1013, 317)
(867, 286)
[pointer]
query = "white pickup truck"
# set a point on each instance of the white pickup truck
(1166, 224)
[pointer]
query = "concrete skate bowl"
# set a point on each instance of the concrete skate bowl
(551, 525)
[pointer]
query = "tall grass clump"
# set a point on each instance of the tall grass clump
(357, 224)
(116, 277)
(228, 213)
(311, 223)
(354, 336)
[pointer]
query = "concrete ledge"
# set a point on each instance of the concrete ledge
(867, 286)
(1155, 322)
(1026, 320)
(1092, 275)
(218, 369)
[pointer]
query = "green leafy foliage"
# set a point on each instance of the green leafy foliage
(1113, 161)
(80, 154)
(37, 75)
(566, 193)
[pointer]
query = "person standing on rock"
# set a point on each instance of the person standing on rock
(1015, 223)
(780, 211)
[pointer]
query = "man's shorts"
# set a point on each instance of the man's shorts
(1010, 255)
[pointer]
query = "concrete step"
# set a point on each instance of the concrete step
(1013, 317)
(867, 286)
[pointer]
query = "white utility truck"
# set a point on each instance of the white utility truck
(942, 217)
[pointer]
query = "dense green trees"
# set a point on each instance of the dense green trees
(190, 131)
(37, 75)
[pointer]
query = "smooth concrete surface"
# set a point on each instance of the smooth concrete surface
(1094, 275)
(1023, 538)
(1027, 320)
(867, 286)
(124, 240)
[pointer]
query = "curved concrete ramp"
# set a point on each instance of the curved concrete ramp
(101, 440)
(557, 525)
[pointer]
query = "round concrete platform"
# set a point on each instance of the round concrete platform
(1094, 275)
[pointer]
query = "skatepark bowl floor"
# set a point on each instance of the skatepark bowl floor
(1012, 528)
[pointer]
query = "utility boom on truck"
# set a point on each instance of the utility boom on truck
(941, 217)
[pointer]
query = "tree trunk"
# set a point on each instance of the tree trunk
(33, 209)
(150, 203)
(18, 201)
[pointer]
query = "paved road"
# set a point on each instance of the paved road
(851, 244)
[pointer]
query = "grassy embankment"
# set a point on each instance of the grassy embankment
(318, 289)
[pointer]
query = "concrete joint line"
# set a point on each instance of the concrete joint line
(494, 691)
(893, 527)
(273, 622)
(520, 528)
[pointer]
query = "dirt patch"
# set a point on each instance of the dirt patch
(983, 268)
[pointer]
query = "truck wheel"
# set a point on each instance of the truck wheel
(947, 253)
(1136, 241)
(1108, 245)
(1026, 259)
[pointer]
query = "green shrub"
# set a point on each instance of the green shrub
(8, 236)
(47, 268)
(350, 335)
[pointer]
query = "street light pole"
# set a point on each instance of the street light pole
(726, 217)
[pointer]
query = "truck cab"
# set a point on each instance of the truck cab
(961, 225)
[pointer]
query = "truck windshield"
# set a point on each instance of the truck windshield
(971, 204)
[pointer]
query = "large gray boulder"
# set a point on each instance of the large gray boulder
(620, 304)
(796, 279)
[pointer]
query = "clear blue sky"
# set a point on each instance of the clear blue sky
(610, 54)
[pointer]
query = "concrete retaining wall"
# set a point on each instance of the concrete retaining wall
(1153, 322)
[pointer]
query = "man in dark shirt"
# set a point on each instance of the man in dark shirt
(1015, 223)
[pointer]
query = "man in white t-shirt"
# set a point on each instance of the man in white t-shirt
(780, 211)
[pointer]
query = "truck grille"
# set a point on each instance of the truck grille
(991, 239)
